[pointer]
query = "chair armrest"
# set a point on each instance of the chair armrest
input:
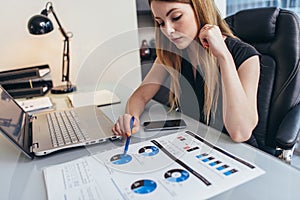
(289, 128)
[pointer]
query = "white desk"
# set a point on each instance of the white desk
(21, 178)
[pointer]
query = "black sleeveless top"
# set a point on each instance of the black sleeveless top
(192, 89)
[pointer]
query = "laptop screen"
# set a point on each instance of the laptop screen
(12, 121)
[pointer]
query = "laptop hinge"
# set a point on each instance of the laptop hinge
(34, 146)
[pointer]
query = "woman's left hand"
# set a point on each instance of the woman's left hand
(211, 37)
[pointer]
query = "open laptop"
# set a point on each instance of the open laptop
(35, 134)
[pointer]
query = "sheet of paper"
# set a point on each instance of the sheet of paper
(73, 180)
(99, 98)
(35, 104)
(178, 166)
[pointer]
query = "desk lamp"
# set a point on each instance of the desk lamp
(41, 24)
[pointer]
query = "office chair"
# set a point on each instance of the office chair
(275, 33)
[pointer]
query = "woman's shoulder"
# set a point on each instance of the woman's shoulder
(235, 44)
(240, 50)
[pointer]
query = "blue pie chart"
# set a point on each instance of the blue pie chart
(120, 159)
(143, 186)
(149, 151)
(176, 175)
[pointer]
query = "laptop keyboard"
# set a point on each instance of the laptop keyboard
(64, 128)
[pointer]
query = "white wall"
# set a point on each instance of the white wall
(104, 47)
(221, 4)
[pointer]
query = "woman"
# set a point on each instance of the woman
(193, 42)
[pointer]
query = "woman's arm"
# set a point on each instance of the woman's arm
(239, 88)
(138, 100)
(240, 96)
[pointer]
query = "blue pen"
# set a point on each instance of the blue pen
(128, 137)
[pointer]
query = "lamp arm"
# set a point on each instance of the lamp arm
(66, 49)
(59, 24)
(66, 61)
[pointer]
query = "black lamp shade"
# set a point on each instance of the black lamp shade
(39, 24)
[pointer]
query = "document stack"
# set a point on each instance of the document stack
(26, 82)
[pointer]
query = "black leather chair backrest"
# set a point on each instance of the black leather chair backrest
(275, 33)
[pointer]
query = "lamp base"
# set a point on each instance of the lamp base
(62, 89)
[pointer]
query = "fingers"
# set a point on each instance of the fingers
(122, 126)
(207, 26)
(204, 43)
(116, 129)
(204, 35)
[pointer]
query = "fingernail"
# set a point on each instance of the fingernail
(128, 134)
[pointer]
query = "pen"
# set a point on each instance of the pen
(128, 137)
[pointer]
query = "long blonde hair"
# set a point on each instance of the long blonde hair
(169, 55)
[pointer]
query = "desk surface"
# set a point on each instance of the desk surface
(23, 179)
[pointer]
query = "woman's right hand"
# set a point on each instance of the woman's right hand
(211, 37)
(122, 125)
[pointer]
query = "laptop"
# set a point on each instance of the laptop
(44, 133)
